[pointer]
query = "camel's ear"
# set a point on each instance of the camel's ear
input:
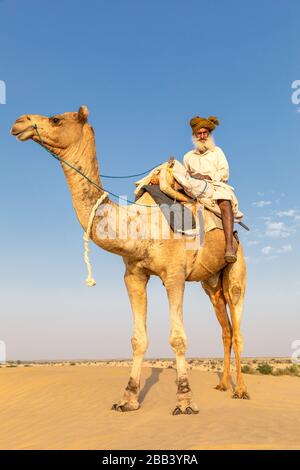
(83, 113)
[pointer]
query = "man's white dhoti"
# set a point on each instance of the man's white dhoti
(206, 191)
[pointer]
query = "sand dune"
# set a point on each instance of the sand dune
(50, 407)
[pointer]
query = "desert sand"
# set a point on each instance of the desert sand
(59, 406)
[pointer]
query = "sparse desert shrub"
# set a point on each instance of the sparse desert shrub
(246, 369)
(264, 368)
(293, 369)
(279, 372)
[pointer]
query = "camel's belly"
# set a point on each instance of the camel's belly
(203, 270)
(210, 259)
(171, 256)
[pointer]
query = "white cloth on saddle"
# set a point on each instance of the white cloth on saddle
(147, 178)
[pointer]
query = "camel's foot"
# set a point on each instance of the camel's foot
(130, 398)
(222, 387)
(126, 406)
(241, 393)
(185, 404)
(187, 407)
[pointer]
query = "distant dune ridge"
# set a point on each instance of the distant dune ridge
(265, 365)
(67, 405)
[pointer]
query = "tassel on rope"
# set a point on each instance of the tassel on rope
(90, 281)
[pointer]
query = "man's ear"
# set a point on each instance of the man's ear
(83, 113)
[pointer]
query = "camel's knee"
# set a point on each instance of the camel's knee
(178, 344)
(139, 345)
(237, 341)
(235, 293)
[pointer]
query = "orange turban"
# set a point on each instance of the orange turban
(210, 123)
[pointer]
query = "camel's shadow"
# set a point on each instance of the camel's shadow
(150, 381)
(154, 378)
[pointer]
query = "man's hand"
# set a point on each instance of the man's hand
(199, 176)
(206, 177)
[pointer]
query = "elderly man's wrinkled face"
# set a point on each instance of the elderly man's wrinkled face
(203, 140)
(202, 134)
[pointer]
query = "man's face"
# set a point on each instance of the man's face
(202, 134)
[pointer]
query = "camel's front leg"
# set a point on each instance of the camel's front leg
(175, 290)
(136, 283)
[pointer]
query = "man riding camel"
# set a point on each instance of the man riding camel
(205, 175)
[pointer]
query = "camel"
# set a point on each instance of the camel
(70, 136)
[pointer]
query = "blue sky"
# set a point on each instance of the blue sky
(144, 69)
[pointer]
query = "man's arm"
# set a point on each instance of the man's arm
(222, 171)
(186, 162)
(198, 176)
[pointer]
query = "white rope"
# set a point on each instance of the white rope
(90, 281)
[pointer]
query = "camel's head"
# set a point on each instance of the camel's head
(57, 132)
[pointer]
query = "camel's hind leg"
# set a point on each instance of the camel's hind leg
(218, 300)
(136, 283)
(234, 284)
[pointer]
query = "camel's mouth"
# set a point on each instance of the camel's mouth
(22, 130)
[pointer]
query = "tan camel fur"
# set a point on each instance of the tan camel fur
(173, 260)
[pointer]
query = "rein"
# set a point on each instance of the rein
(90, 281)
(100, 188)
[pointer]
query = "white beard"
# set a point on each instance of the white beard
(209, 144)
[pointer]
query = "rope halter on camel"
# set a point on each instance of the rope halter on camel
(90, 281)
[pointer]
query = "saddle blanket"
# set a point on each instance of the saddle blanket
(181, 220)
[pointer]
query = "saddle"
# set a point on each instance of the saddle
(164, 177)
(161, 184)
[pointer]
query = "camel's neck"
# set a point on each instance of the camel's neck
(83, 156)
(110, 220)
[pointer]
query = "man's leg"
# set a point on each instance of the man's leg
(228, 219)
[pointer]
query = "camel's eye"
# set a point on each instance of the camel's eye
(55, 121)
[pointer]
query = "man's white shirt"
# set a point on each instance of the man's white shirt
(212, 163)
